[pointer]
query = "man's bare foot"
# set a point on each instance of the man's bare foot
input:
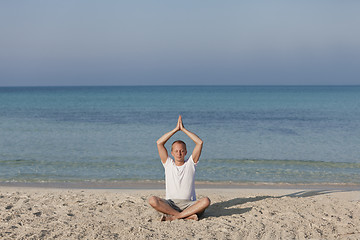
(192, 217)
(165, 217)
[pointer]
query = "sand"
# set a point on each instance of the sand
(53, 213)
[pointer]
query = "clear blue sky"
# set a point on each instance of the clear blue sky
(86, 42)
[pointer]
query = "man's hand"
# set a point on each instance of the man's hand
(180, 124)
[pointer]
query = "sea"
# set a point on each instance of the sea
(251, 134)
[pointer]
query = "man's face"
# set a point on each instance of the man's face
(179, 152)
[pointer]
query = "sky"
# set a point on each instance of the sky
(154, 42)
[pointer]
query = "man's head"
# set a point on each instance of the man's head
(178, 150)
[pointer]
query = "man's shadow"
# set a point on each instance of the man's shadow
(228, 208)
(225, 208)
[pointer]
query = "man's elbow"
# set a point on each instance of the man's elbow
(200, 143)
(158, 142)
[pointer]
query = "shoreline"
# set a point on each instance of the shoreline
(160, 185)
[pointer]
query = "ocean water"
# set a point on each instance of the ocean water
(271, 134)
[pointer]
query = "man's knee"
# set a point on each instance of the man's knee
(153, 201)
(205, 202)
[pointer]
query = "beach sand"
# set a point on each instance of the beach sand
(239, 213)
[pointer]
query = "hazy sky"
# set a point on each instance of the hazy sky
(85, 42)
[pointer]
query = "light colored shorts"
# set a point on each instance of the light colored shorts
(179, 204)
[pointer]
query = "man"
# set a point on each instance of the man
(180, 202)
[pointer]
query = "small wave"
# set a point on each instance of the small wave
(237, 170)
(274, 162)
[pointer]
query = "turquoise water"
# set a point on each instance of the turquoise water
(271, 134)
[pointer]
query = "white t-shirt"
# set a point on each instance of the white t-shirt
(180, 180)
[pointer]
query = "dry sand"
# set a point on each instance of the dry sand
(42, 213)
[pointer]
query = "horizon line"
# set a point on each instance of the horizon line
(188, 85)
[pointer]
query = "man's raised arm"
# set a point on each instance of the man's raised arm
(198, 142)
(161, 142)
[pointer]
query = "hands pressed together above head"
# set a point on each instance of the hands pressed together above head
(180, 125)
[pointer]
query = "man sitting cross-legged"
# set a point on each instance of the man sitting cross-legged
(180, 202)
